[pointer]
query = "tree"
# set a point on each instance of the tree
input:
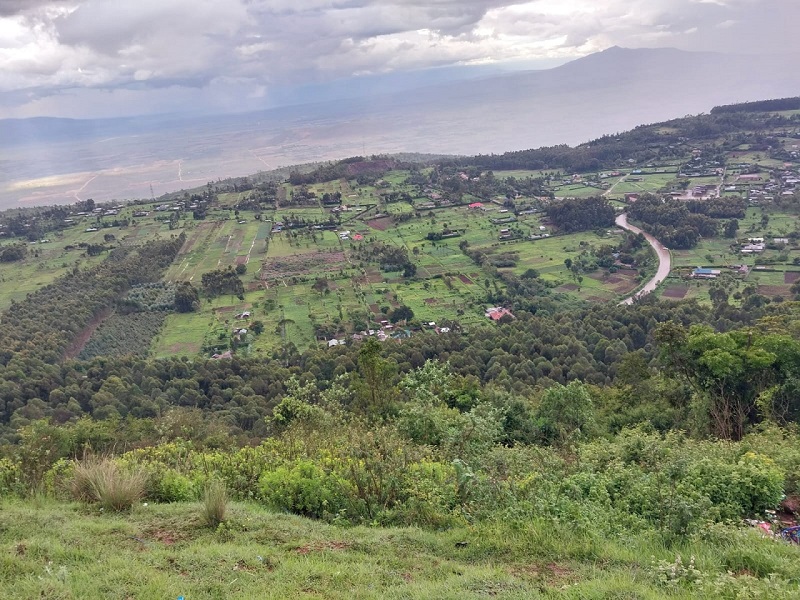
(241, 269)
(728, 372)
(374, 388)
(565, 414)
(186, 297)
(222, 281)
(13, 253)
(731, 227)
(401, 313)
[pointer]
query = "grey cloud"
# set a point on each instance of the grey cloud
(10, 8)
(163, 45)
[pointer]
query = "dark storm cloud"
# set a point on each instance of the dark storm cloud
(110, 45)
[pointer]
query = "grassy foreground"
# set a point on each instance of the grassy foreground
(56, 550)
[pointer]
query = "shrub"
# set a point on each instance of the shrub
(103, 482)
(304, 489)
(215, 503)
(167, 485)
(9, 477)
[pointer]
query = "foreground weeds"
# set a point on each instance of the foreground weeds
(54, 550)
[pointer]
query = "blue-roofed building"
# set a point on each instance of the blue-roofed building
(704, 273)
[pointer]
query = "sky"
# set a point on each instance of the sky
(108, 58)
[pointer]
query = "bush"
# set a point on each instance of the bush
(9, 477)
(304, 489)
(103, 482)
(215, 503)
(167, 485)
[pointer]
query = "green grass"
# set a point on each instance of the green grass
(68, 551)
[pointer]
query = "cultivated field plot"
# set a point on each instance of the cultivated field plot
(676, 289)
(709, 252)
(637, 184)
(547, 257)
(24, 277)
(215, 244)
(577, 191)
(771, 283)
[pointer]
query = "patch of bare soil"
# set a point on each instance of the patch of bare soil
(302, 264)
(790, 277)
(676, 292)
(774, 290)
(80, 340)
(381, 224)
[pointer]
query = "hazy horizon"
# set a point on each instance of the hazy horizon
(363, 76)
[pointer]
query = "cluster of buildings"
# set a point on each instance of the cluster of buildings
(764, 188)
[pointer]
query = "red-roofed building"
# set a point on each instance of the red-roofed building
(496, 313)
(476, 205)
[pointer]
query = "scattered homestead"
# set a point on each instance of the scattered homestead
(496, 313)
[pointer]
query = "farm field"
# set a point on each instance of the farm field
(308, 284)
(646, 183)
(314, 269)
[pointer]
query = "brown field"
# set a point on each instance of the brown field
(301, 264)
(790, 277)
(185, 348)
(774, 290)
(381, 224)
(465, 280)
(676, 292)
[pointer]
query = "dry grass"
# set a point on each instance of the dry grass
(215, 503)
(102, 481)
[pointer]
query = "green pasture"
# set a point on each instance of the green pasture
(21, 278)
(577, 191)
(398, 208)
(289, 243)
(218, 244)
(309, 213)
(523, 173)
(183, 334)
(694, 290)
(709, 252)
(64, 550)
(648, 183)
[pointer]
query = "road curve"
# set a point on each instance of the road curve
(664, 259)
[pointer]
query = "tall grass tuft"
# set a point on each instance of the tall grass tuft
(215, 503)
(103, 482)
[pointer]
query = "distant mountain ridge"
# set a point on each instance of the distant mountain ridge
(615, 66)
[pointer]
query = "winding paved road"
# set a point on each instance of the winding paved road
(664, 259)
